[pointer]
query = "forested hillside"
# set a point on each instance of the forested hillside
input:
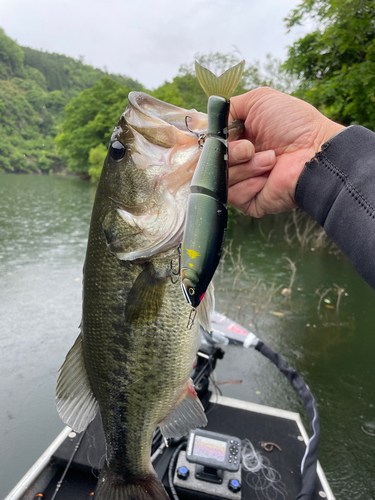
(57, 113)
(35, 87)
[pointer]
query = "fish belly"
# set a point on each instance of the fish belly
(137, 368)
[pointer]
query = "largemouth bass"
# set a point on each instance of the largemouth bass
(134, 354)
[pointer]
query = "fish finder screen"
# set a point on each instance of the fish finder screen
(210, 448)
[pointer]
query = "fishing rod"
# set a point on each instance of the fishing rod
(60, 482)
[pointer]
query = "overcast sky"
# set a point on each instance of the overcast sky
(148, 40)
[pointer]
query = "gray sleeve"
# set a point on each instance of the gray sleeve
(337, 187)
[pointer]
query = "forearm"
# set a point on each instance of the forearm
(337, 187)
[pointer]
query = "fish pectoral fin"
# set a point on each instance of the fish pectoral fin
(206, 308)
(146, 296)
(185, 416)
(75, 401)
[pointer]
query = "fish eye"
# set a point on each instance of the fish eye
(117, 150)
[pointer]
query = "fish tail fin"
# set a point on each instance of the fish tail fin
(113, 487)
(223, 85)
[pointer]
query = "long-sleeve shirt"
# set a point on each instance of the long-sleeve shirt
(337, 187)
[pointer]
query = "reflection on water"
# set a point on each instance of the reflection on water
(43, 230)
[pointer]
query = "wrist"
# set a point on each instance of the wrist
(330, 131)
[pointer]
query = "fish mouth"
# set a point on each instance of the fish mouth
(149, 107)
(166, 153)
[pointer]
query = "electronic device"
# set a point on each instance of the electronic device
(214, 450)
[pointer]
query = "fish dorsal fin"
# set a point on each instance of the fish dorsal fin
(206, 308)
(188, 414)
(75, 401)
(223, 85)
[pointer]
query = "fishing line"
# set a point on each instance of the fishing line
(265, 479)
(216, 387)
(89, 448)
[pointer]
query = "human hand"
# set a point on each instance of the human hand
(286, 133)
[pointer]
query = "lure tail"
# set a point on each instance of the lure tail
(223, 85)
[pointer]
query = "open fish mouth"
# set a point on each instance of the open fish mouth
(163, 154)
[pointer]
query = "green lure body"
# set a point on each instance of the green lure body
(207, 212)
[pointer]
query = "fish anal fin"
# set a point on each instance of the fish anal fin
(75, 401)
(146, 296)
(185, 416)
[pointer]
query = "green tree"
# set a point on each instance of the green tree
(11, 57)
(96, 160)
(35, 87)
(336, 61)
(90, 119)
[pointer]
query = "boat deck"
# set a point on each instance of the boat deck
(257, 423)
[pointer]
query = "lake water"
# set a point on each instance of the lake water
(43, 231)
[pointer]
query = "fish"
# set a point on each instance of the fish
(134, 354)
(207, 212)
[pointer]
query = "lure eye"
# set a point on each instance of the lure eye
(191, 291)
(117, 150)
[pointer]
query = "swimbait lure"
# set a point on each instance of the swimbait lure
(207, 212)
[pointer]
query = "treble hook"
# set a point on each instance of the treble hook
(201, 135)
(191, 319)
(179, 266)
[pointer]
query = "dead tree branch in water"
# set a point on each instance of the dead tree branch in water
(261, 297)
(267, 238)
(303, 228)
(238, 267)
(321, 296)
(287, 292)
(258, 295)
(340, 291)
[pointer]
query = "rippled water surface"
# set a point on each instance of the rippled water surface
(43, 231)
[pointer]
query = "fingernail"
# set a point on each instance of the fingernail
(264, 159)
(242, 151)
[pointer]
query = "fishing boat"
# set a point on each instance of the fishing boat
(273, 444)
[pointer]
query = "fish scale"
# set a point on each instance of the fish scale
(140, 350)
